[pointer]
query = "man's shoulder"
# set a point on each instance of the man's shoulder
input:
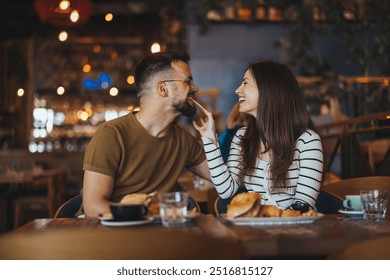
(122, 121)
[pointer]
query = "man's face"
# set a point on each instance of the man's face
(183, 87)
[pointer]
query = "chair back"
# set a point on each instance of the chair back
(328, 203)
(69, 208)
(192, 204)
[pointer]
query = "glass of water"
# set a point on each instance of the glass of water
(374, 204)
(173, 208)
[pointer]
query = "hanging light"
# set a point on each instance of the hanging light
(63, 12)
(74, 16)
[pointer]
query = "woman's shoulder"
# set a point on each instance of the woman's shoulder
(309, 138)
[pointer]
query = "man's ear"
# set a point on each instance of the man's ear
(162, 89)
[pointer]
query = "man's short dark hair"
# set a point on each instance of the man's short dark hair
(155, 63)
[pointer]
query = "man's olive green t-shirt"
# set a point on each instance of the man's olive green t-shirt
(139, 162)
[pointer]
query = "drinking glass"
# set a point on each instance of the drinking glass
(173, 208)
(374, 204)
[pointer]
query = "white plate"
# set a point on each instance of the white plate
(259, 221)
(113, 223)
(351, 213)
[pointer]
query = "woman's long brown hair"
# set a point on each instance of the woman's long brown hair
(281, 118)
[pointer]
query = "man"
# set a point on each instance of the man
(144, 151)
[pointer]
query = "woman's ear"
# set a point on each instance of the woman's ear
(162, 89)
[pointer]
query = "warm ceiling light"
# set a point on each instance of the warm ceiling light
(60, 13)
(155, 47)
(20, 92)
(63, 36)
(109, 17)
(74, 16)
(60, 90)
(86, 68)
(130, 80)
(64, 5)
(114, 91)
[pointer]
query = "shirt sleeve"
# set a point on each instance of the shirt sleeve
(311, 162)
(224, 177)
(103, 152)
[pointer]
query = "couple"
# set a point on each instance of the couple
(144, 151)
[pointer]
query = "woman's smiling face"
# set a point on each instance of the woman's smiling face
(248, 94)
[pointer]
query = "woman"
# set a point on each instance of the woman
(278, 154)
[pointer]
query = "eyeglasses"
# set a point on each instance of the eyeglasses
(189, 81)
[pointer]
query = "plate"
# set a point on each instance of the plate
(351, 213)
(260, 221)
(113, 223)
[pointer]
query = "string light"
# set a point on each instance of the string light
(20, 92)
(109, 17)
(155, 47)
(63, 36)
(64, 5)
(60, 90)
(74, 16)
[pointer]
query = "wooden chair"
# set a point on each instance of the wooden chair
(192, 203)
(69, 208)
(39, 197)
(371, 249)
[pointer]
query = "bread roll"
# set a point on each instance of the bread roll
(270, 211)
(244, 205)
(290, 213)
(134, 198)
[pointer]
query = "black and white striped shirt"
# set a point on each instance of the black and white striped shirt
(302, 183)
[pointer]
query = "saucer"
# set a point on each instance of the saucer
(351, 213)
(114, 223)
(189, 218)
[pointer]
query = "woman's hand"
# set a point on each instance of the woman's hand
(206, 125)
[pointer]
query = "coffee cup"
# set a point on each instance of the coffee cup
(128, 212)
(353, 202)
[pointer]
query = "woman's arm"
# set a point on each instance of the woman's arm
(311, 164)
(221, 177)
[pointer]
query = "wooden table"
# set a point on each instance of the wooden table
(88, 239)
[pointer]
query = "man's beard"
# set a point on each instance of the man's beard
(185, 109)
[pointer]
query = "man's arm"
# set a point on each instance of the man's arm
(97, 189)
(201, 170)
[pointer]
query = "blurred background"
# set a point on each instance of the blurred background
(66, 66)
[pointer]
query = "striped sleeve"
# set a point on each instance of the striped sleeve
(311, 162)
(224, 177)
